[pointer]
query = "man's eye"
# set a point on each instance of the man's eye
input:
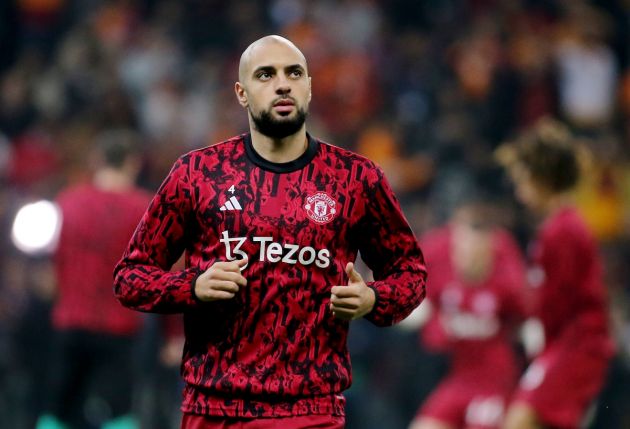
(296, 73)
(264, 76)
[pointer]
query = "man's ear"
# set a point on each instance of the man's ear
(310, 86)
(241, 94)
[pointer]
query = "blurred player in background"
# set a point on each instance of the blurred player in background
(271, 222)
(564, 380)
(476, 295)
(92, 351)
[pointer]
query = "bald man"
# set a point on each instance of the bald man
(271, 222)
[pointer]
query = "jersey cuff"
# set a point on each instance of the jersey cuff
(193, 283)
(376, 297)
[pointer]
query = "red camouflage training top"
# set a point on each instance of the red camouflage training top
(275, 349)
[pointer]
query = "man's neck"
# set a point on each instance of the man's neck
(282, 150)
(557, 203)
(112, 180)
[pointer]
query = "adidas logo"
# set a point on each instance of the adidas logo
(231, 204)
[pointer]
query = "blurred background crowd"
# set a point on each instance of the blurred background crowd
(426, 88)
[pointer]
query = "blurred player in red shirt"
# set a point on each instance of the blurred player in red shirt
(565, 379)
(93, 341)
(271, 223)
(476, 292)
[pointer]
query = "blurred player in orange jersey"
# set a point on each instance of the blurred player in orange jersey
(477, 297)
(564, 380)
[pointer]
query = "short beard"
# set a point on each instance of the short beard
(270, 127)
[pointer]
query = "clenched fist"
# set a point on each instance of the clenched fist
(221, 281)
(354, 300)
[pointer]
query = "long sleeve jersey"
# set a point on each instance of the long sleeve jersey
(572, 303)
(275, 349)
(475, 322)
(96, 228)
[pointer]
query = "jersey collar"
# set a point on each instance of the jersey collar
(281, 167)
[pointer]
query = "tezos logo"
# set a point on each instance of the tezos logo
(272, 251)
(320, 207)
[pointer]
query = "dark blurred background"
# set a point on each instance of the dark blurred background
(426, 88)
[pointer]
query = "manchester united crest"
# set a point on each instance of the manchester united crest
(320, 207)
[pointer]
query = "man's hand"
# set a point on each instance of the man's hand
(221, 281)
(352, 301)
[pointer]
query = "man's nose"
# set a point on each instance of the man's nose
(283, 86)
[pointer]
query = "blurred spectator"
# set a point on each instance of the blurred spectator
(587, 68)
(407, 174)
(529, 56)
(33, 159)
(603, 196)
(17, 112)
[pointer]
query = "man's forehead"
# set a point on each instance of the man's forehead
(275, 54)
(270, 52)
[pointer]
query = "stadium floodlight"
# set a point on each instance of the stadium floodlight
(36, 227)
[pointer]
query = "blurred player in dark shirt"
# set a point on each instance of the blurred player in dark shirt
(94, 335)
(476, 295)
(271, 222)
(564, 380)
